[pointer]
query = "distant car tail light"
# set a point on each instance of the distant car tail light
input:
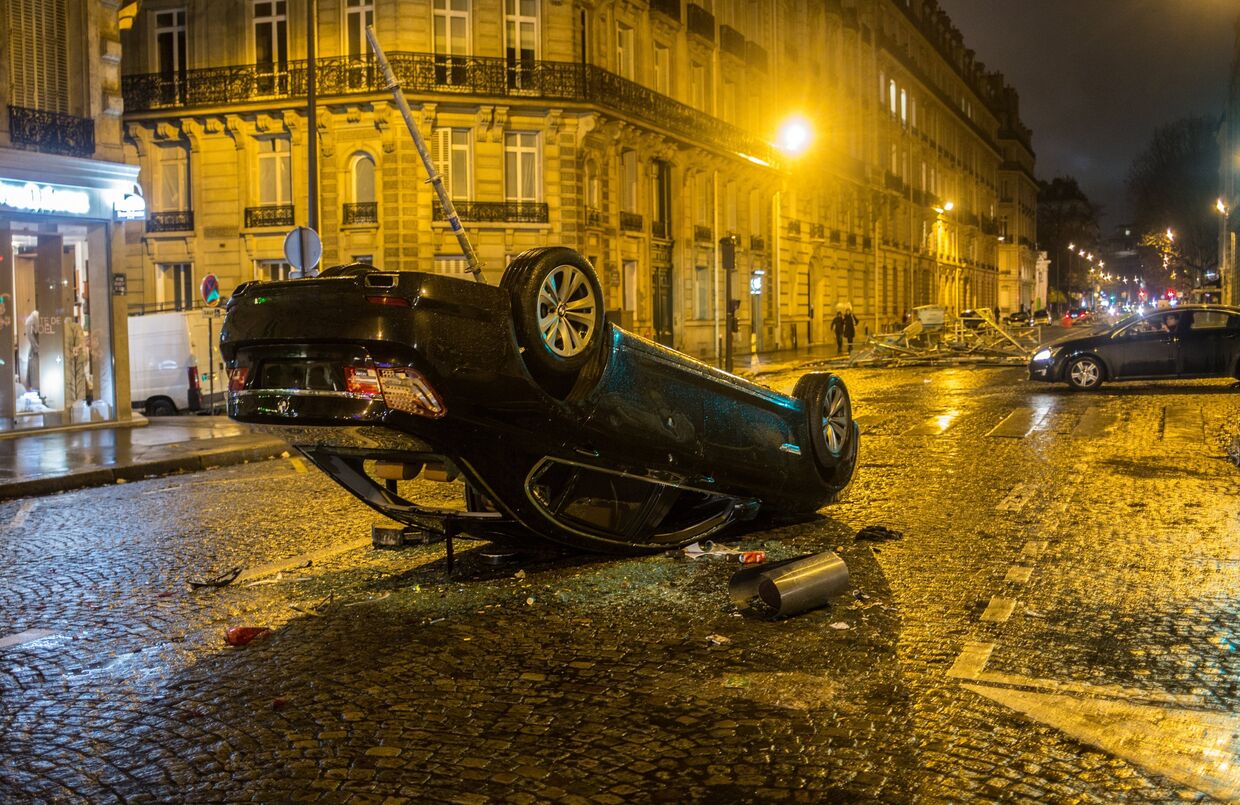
(195, 383)
(405, 389)
(236, 378)
(390, 301)
(362, 380)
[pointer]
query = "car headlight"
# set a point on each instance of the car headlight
(1042, 355)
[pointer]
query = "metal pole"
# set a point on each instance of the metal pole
(211, 362)
(472, 260)
(312, 135)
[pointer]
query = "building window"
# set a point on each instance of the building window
(624, 51)
(271, 45)
(38, 48)
(728, 100)
(357, 15)
(628, 181)
(729, 207)
(891, 95)
(451, 153)
(662, 70)
(451, 26)
(522, 169)
(904, 106)
(170, 54)
(699, 91)
(271, 270)
(363, 176)
(174, 286)
(702, 197)
(172, 192)
(701, 293)
(275, 179)
(521, 41)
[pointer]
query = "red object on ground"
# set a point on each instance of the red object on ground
(752, 557)
(242, 635)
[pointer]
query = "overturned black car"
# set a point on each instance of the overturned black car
(561, 425)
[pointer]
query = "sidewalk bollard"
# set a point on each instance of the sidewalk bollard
(792, 586)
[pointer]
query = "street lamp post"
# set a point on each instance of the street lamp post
(1225, 255)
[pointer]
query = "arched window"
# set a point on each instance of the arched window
(363, 178)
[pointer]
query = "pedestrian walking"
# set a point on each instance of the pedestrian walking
(850, 328)
(837, 327)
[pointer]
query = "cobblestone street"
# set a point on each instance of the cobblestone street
(1058, 622)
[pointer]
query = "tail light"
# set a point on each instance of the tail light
(362, 380)
(195, 383)
(405, 389)
(389, 301)
(236, 378)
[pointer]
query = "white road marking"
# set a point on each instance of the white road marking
(1094, 422)
(999, 609)
(1184, 424)
(23, 512)
(1018, 574)
(22, 638)
(1196, 748)
(1033, 549)
(1018, 424)
(298, 464)
(972, 661)
(1018, 498)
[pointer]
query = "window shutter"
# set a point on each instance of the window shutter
(38, 59)
(441, 157)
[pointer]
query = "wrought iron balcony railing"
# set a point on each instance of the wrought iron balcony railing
(51, 132)
(496, 212)
(170, 221)
(732, 41)
(669, 7)
(702, 234)
(433, 74)
(755, 55)
(757, 243)
(269, 215)
(361, 212)
(631, 221)
(701, 22)
(594, 216)
(661, 229)
(794, 226)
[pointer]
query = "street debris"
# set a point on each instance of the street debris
(520, 574)
(370, 600)
(243, 635)
(223, 580)
(710, 550)
(840, 626)
(529, 602)
(316, 609)
(986, 344)
(878, 533)
(718, 639)
(1233, 451)
(791, 586)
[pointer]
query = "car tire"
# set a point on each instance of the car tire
(160, 407)
(557, 307)
(1085, 373)
(832, 432)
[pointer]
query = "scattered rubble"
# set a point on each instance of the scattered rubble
(989, 344)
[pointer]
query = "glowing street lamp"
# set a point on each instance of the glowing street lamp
(795, 136)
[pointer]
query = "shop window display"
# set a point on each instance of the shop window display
(53, 291)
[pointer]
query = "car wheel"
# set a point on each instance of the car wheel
(557, 307)
(160, 407)
(1085, 373)
(829, 409)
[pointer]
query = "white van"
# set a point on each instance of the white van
(169, 361)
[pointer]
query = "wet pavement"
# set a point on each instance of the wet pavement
(1058, 622)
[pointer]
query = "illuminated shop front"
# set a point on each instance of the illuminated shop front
(58, 221)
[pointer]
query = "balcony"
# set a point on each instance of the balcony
(702, 234)
(755, 56)
(594, 217)
(670, 8)
(631, 221)
(51, 132)
(362, 212)
(818, 231)
(794, 226)
(269, 215)
(428, 74)
(170, 221)
(893, 182)
(701, 22)
(661, 229)
(496, 212)
(732, 41)
(757, 243)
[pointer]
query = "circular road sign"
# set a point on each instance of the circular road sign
(303, 248)
(211, 290)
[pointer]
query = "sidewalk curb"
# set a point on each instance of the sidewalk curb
(102, 476)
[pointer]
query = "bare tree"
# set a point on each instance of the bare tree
(1172, 186)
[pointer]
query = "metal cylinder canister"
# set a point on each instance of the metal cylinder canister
(791, 586)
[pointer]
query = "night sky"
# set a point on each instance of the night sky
(1096, 77)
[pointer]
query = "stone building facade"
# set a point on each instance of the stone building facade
(639, 133)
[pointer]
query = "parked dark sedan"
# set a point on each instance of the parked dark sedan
(1187, 341)
(562, 425)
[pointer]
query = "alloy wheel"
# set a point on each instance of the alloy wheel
(1085, 374)
(567, 306)
(835, 418)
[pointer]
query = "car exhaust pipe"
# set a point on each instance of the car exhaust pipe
(791, 586)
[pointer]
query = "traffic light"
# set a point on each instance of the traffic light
(734, 322)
